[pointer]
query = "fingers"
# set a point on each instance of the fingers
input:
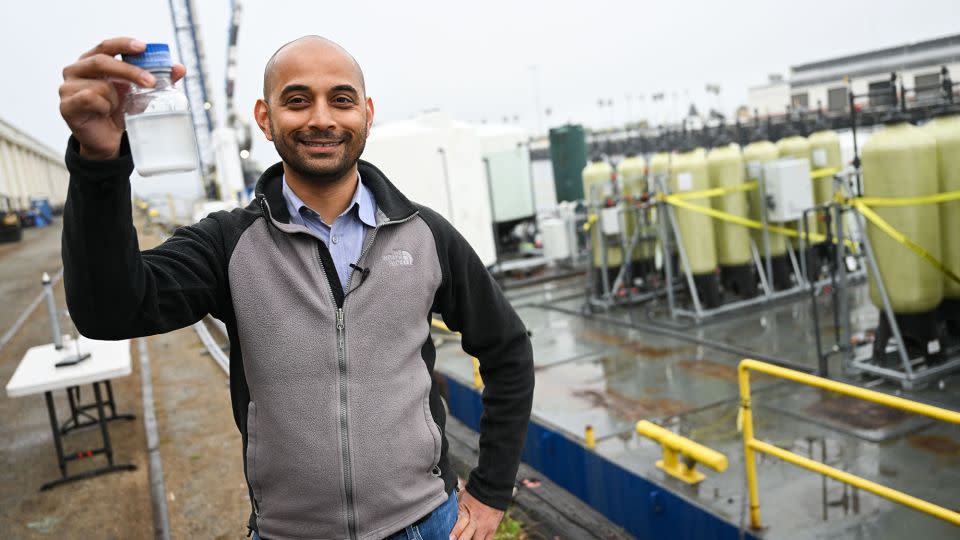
(463, 520)
(115, 46)
(469, 532)
(86, 101)
(104, 89)
(102, 66)
(178, 72)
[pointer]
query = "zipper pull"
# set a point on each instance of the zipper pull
(339, 318)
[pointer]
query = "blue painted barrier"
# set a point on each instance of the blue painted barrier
(644, 509)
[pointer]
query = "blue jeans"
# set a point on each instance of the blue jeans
(438, 525)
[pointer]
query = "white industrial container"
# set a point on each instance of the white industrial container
(556, 240)
(439, 163)
(507, 158)
(788, 189)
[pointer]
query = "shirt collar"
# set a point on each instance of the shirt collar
(362, 199)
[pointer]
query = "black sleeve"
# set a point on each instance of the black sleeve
(471, 303)
(113, 290)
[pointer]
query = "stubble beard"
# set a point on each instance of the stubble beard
(286, 145)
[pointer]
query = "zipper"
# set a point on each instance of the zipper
(342, 362)
(342, 409)
(342, 373)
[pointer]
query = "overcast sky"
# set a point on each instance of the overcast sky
(479, 60)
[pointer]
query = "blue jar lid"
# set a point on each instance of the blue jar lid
(156, 56)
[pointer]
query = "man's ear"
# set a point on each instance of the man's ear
(369, 113)
(261, 111)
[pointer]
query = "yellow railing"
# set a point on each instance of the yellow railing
(751, 444)
(477, 379)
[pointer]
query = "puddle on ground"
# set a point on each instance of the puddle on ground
(937, 444)
(636, 347)
(855, 412)
(712, 369)
(633, 409)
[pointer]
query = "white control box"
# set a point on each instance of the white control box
(789, 189)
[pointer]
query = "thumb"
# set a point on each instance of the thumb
(178, 72)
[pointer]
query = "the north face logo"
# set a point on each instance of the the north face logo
(398, 257)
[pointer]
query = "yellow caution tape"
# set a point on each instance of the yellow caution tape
(672, 199)
(902, 239)
(817, 174)
(909, 201)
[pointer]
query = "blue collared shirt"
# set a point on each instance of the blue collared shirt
(344, 238)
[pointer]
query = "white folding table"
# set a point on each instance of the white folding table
(37, 373)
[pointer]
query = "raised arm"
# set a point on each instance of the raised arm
(113, 290)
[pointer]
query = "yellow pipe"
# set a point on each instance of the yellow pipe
(855, 391)
(440, 325)
(589, 223)
(477, 379)
(750, 444)
(590, 437)
(856, 481)
(699, 453)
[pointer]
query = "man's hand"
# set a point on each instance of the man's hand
(92, 94)
(475, 520)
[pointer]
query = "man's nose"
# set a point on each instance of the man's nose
(321, 117)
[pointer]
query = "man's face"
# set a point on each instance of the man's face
(317, 115)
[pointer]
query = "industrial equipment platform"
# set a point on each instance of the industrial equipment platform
(612, 369)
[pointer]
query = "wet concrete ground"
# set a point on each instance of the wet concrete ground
(199, 442)
(599, 371)
(111, 506)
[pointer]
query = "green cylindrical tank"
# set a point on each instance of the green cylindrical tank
(901, 161)
(946, 131)
(755, 155)
(632, 173)
(568, 155)
(725, 166)
(598, 189)
(824, 154)
(688, 172)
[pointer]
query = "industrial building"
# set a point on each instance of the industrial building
(29, 169)
(825, 84)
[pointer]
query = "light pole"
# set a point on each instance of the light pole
(535, 73)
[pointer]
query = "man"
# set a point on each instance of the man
(326, 283)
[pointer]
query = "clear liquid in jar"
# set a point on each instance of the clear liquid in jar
(162, 142)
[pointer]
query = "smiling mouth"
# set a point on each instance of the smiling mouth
(320, 144)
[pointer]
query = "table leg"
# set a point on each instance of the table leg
(51, 409)
(73, 402)
(103, 423)
(110, 401)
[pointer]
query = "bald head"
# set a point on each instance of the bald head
(304, 46)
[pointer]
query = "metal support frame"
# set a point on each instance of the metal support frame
(699, 313)
(77, 410)
(908, 377)
(765, 271)
(608, 297)
(107, 449)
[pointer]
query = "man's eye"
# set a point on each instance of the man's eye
(342, 100)
(296, 101)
